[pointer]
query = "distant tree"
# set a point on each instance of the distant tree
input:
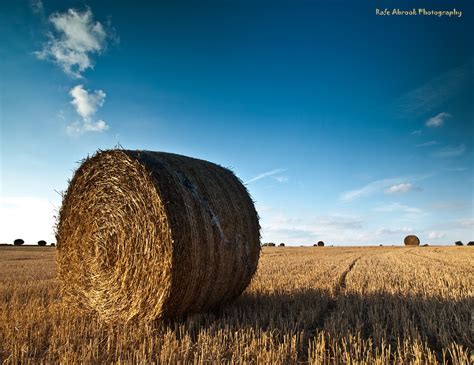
(470, 243)
(281, 245)
(53, 244)
(458, 243)
(425, 245)
(268, 244)
(18, 242)
(320, 244)
(42, 243)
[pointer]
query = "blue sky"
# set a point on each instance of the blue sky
(347, 127)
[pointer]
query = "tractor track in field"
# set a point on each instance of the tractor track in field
(342, 283)
(338, 291)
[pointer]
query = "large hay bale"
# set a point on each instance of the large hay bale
(150, 235)
(411, 240)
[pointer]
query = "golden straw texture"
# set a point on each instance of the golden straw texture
(412, 240)
(150, 235)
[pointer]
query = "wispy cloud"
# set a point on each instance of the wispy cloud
(451, 151)
(393, 207)
(438, 120)
(393, 231)
(400, 188)
(397, 207)
(427, 144)
(281, 179)
(86, 105)
(37, 7)
(76, 38)
(416, 132)
(467, 223)
(397, 184)
(264, 175)
(436, 91)
(435, 235)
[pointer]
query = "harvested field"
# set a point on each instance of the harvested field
(307, 305)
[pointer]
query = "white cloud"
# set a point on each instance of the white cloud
(29, 218)
(416, 132)
(451, 151)
(86, 105)
(427, 144)
(79, 128)
(264, 175)
(434, 235)
(400, 188)
(281, 179)
(438, 120)
(76, 39)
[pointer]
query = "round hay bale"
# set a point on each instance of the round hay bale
(41, 243)
(18, 242)
(411, 240)
(146, 235)
(320, 244)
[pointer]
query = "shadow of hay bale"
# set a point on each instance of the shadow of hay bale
(380, 318)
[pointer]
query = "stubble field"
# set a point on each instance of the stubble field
(379, 305)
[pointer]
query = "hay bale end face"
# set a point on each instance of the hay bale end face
(411, 240)
(151, 235)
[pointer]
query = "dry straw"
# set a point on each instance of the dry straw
(151, 235)
(412, 240)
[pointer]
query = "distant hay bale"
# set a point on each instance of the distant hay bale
(41, 243)
(411, 240)
(150, 235)
(425, 245)
(320, 244)
(18, 242)
(281, 245)
(53, 244)
(470, 243)
(458, 243)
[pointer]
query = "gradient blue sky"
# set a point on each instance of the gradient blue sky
(347, 127)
